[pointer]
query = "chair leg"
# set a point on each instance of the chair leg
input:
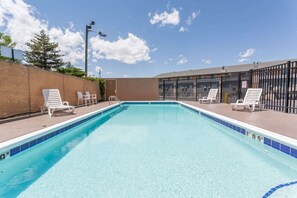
(233, 107)
(71, 110)
(252, 107)
(51, 112)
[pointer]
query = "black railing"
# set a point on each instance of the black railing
(279, 84)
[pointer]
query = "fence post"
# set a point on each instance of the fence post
(12, 54)
(163, 89)
(221, 87)
(239, 85)
(176, 88)
(251, 77)
(287, 86)
(196, 87)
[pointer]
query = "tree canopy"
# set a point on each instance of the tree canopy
(43, 53)
(6, 41)
(71, 70)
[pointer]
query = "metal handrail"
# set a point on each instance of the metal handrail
(114, 98)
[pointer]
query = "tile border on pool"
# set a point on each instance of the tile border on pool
(279, 142)
(227, 124)
(15, 146)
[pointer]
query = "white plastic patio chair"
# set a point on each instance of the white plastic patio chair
(82, 99)
(53, 102)
(212, 96)
(92, 97)
(250, 101)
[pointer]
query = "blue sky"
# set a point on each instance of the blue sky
(145, 38)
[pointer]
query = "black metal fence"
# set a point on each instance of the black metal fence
(279, 84)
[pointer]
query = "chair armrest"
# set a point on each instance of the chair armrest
(66, 103)
(239, 101)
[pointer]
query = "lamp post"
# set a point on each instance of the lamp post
(256, 65)
(99, 72)
(89, 29)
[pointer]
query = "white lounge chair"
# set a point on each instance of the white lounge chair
(212, 96)
(92, 97)
(250, 101)
(53, 102)
(82, 99)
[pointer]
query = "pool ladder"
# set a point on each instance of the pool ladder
(111, 98)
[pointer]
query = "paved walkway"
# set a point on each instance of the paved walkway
(282, 123)
(24, 126)
(278, 122)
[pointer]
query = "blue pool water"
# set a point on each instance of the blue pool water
(147, 151)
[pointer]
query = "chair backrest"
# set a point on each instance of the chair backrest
(88, 93)
(212, 93)
(252, 95)
(79, 94)
(52, 97)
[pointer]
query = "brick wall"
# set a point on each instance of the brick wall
(21, 88)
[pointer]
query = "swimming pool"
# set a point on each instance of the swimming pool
(146, 150)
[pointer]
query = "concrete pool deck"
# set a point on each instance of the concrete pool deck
(274, 121)
(281, 123)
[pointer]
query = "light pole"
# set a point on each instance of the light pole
(99, 72)
(89, 29)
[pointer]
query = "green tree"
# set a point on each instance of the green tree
(43, 53)
(6, 41)
(101, 82)
(102, 88)
(71, 70)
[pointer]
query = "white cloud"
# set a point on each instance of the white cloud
(97, 69)
(244, 56)
(182, 60)
(70, 43)
(155, 49)
(191, 18)
(165, 18)
(169, 60)
(71, 25)
(108, 73)
(168, 5)
(242, 60)
(90, 73)
(130, 50)
(249, 52)
(206, 61)
(183, 29)
(125, 76)
(21, 24)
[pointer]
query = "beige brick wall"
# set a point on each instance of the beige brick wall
(137, 89)
(21, 88)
